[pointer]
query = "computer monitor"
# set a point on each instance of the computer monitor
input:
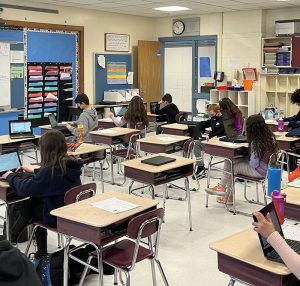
(153, 106)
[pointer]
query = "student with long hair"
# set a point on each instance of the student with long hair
(262, 144)
(46, 187)
(136, 113)
(231, 112)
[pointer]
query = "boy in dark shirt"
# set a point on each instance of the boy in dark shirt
(166, 107)
(294, 121)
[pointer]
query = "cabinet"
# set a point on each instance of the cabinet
(245, 100)
(276, 90)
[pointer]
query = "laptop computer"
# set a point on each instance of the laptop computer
(20, 129)
(158, 160)
(9, 161)
(54, 124)
(153, 106)
(267, 249)
(231, 134)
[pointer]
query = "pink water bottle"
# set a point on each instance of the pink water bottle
(280, 125)
(278, 200)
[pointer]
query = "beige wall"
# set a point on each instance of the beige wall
(95, 23)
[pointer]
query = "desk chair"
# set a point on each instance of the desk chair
(141, 126)
(73, 195)
(123, 255)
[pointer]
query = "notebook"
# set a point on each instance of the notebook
(158, 160)
(20, 129)
(267, 249)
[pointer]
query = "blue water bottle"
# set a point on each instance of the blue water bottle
(274, 178)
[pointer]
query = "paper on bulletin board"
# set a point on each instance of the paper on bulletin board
(16, 72)
(101, 61)
(204, 66)
(16, 57)
(130, 78)
(116, 73)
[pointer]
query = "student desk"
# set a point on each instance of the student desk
(160, 175)
(241, 257)
(113, 136)
(229, 151)
(292, 204)
(155, 118)
(8, 199)
(106, 123)
(162, 143)
(273, 125)
(175, 129)
(93, 225)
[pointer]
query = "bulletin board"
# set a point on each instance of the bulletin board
(103, 78)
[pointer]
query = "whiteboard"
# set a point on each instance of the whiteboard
(178, 76)
(4, 74)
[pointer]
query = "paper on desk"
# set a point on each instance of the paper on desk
(107, 131)
(291, 231)
(295, 183)
(166, 139)
(106, 120)
(114, 205)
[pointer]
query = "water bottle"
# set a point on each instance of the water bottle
(278, 200)
(280, 125)
(274, 178)
(80, 133)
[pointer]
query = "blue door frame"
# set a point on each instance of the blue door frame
(195, 42)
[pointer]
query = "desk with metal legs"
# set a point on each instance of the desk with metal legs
(175, 129)
(292, 204)
(240, 256)
(84, 222)
(161, 175)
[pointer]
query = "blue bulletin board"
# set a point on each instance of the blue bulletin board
(101, 80)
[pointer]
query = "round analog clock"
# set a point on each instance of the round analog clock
(178, 27)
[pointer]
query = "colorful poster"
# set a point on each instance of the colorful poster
(116, 73)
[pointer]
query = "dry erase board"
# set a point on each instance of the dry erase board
(101, 81)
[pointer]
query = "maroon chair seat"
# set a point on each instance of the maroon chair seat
(124, 153)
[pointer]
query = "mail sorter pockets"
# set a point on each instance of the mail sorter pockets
(38, 94)
(34, 67)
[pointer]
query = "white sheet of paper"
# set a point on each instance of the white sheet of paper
(230, 144)
(16, 57)
(295, 183)
(166, 139)
(101, 61)
(107, 131)
(106, 120)
(130, 78)
(114, 205)
(291, 231)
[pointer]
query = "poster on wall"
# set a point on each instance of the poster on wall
(116, 73)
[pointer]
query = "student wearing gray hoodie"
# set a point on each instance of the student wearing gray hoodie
(88, 118)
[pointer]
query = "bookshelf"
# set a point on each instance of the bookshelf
(244, 99)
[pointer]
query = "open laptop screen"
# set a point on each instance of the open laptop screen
(229, 128)
(120, 110)
(18, 127)
(9, 161)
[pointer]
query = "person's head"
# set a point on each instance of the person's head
(228, 106)
(136, 112)
(82, 101)
(295, 97)
(53, 150)
(213, 110)
(259, 136)
(167, 98)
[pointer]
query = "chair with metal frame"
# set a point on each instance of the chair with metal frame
(73, 195)
(124, 254)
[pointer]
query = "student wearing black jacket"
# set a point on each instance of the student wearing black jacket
(15, 268)
(217, 129)
(166, 107)
(46, 188)
(294, 121)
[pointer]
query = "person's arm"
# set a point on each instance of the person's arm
(119, 121)
(159, 110)
(30, 187)
(295, 117)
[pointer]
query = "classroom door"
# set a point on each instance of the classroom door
(149, 70)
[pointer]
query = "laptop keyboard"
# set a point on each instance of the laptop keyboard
(273, 255)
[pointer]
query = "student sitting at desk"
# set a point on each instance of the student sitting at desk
(166, 107)
(217, 129)
(136, 113)
(294, 121)
(265, 227)
(262, 144)
(88, 118)
(46, 188)
(230, 111)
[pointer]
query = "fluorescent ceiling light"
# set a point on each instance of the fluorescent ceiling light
(172, 8)
(283, 0)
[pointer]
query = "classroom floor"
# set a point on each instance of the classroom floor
(185, 255)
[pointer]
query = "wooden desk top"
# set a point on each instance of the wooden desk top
(153, 114)
(163, 139)
(292, 195)
(280, 136)
(86, 148)
(84, 212)
(4, 184)
(176, 126)
(216, 142)
(115, 131)
(5, 139)
(245, 246)
(137, 164)
(274, 122)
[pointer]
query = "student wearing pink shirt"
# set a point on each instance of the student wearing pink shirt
(265, 227)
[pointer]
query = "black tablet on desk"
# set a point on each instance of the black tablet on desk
(158, 160)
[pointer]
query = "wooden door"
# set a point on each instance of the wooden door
(149, 71)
